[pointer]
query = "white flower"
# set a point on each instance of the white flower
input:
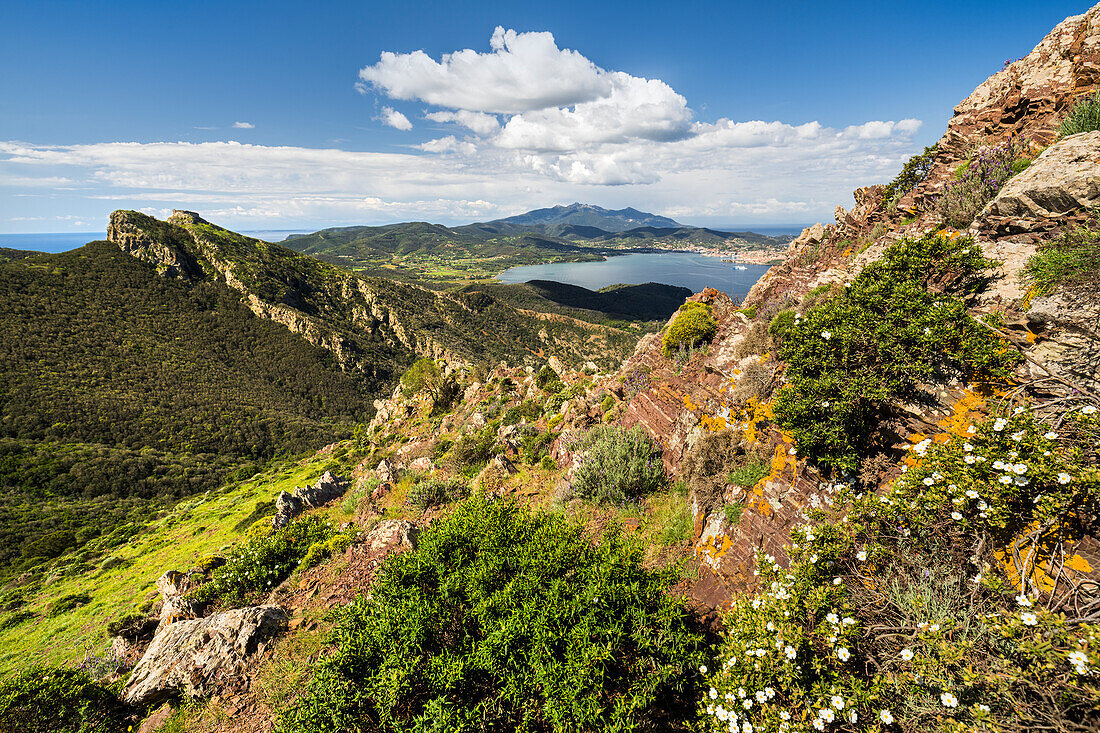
(1078, 658)
(761, 696)
(1088, 410)
(949, 700)
(861, 555)
(967, 447)
(934, 627)
(836, 581)
(784, 715)
(970, 430)
(885, 717)
(1023, 600)
(703, 668)
(848, 620)
(740, 691)
(1029, 619)
(826, 714)
(852, 717)
(713, 694)
(818, 724)
(929, 481)
(1064, 478)
(956, 516)
(837, 702)
(769, 692)
(1017, 435)
(968, 460)
(907, 654)
(790, 652)
(843, 654)
(1051, 435)
(825, 403)
(746, 727)
(746, 703)
(970, 493)
(1005, 479)
(999, 424)
(833, 618)
(826, 335)
(983, 708)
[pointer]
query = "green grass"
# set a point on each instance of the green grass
(1084, 117)
(192, 529)
(748, 474)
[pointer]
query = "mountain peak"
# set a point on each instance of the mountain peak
(590, 215)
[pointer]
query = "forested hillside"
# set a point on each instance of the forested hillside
(119, 387)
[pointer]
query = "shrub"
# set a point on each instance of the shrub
(898, 610)
(749, 474)
(733, 514)
(433, 492)
(13, 619)
(64, 604)
(528, 409)
(475, 447)
(1084, 117)
(321, 550)
(257, 565)
(782, 324)
(850, 358)
(608, 402)
(425, 377)
(986, 172)
(915, 170)
(693, 325)
(59, 700)
(1073, 259)
(479, 629)
(548, 464)
(547, 380)
(534, 446)
(619, 465)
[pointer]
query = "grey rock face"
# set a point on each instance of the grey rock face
(194, 657)
(290, 504)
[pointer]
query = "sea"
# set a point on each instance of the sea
(64, 241)
(684, 269)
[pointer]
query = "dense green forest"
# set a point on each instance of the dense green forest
(121, 389)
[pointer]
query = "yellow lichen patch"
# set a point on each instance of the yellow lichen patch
(962, 416)
(714, 548)
(847, 252)
(714, 424)
(689, 404)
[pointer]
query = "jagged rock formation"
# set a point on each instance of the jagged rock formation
(364, 322)
(196, 657)
(290, 504)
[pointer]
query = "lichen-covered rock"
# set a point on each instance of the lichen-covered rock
(195, 657)
(1068, 326)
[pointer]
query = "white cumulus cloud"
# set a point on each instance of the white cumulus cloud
(392, 118)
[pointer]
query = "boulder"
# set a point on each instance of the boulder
(386, 473)
(196, 657)
(388, 535)
(289, 505)
(174, 604)
(422, 465)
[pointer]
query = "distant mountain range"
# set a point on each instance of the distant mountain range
(574, 232)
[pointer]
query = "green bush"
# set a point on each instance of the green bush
(782, 324)
(534, 446)
(607, 403)
(59, 700)
(475, 447)
(733, 514)
(619, 465)
(693, 325)
(321, 550)
(1073, 259)
(915, 170)
(528, 409)
(897, 612)
(64, 604)
(849, 359)
(547, 380)
(425, 377)
(433, 492)
(505, 620)
(749, 474)
(1084, 117)
(257, 565)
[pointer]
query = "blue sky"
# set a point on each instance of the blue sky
(715, 113)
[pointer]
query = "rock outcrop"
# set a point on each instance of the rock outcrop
(196, 657)
(290, 504)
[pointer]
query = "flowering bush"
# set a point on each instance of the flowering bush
(59, 700)
(896, 611)
(261, 563)
(507, 620)
(618, 466)
(693, 325)
(980, 181)
(899, 323)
